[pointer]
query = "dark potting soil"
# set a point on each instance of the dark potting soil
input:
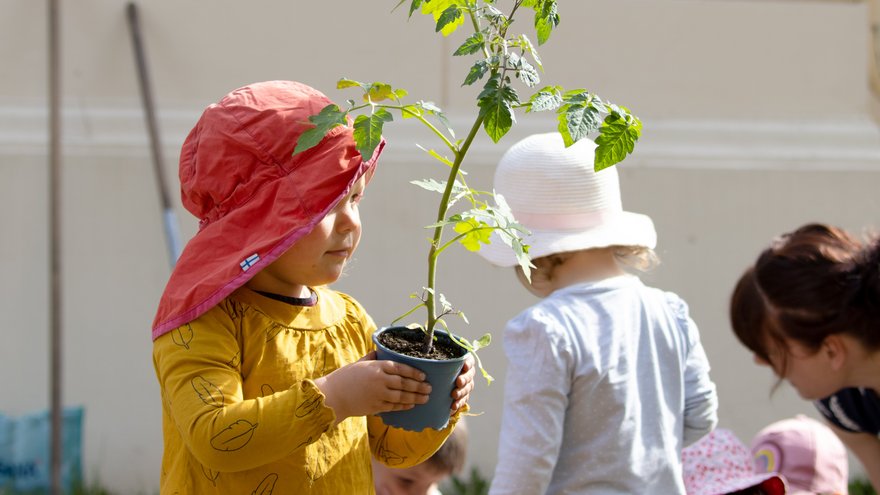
(409, 341)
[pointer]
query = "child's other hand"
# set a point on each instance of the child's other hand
(464, 384)
(368, 386)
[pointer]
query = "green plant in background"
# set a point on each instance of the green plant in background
(861, 487)
(476, 484)
(502, 59)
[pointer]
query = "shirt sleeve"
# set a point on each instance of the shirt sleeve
(197, 366)
(701, 399)
(399, 448)
(535, 400)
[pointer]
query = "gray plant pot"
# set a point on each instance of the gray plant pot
(440, 374)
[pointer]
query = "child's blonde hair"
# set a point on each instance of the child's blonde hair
(640, 258)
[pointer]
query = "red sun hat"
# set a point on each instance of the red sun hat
(253, 198)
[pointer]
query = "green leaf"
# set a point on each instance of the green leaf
(471, 45)
(498, 119)
(438, 156)
(379, 91)
(436, 7)
(548, 98)
(525, 72)
(510, 232)
(546, 19)
(329, 117)
(579, 95)
(616, 140)
(436, 111)
(414, 6)
(449, 20)
(410, 111)
(459, 191)
(577, 121)
(492, 13)
(430, 185)
(527, 45)
(478, 70)
(482, 342)
(446, 306)
(475, 233)
(368, 131)
(496, 108)
(489, 379)
(349, 83)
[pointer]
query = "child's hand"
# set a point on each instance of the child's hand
(368, 386)
(463, 384)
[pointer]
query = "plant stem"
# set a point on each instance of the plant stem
(438, 232)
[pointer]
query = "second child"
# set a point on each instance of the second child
(607, 380)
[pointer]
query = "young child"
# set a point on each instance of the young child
(806, 452)
(720, 464)
(606, 378)
(424, 478)
(269, 380)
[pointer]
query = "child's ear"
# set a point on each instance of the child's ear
(835, 350)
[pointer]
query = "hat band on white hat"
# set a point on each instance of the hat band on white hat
(563, 221)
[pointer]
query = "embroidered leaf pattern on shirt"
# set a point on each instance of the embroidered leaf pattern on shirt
(182, 336)
(234, 436)
(211, 475)
(304, 443)
(273, 332)
(388, 457)
(235, 361)
(267, 485)
(308, 407)
(209, 393)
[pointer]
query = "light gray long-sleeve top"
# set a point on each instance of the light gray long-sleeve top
(606, 382)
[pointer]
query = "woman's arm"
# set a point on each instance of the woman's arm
(866, 447)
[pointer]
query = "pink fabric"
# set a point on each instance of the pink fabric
(806, 452)
(562, 221)
(719, 464)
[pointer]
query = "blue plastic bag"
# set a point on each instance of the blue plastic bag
(25, 451)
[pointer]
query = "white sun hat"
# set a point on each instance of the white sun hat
(554, 192)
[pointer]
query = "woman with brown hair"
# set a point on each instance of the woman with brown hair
(810, 309)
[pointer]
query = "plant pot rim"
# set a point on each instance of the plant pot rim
(414, 358)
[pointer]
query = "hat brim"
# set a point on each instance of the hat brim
(625, 229)
(770, 483)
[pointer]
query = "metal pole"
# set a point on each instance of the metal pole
(55, 302)
(172, 234)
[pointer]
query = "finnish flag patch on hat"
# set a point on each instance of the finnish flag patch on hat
(249, 262)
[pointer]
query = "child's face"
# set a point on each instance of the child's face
(417, 480)
(319, 257)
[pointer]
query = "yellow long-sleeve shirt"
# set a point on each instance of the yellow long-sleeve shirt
(241, 413)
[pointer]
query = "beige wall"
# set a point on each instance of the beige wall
(755, 118)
